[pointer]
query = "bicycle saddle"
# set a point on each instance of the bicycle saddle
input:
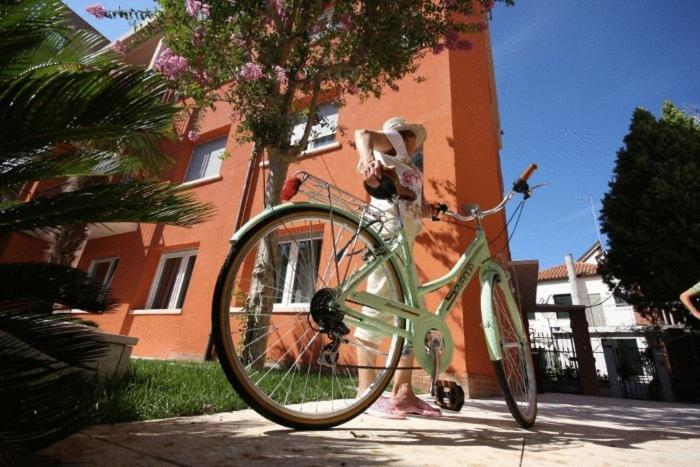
(390, 186)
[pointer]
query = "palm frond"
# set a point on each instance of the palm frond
(78, 163)
(121, 111)
(150, 202)
(74, 51)
(53, 283)
(57, 337)
(43, 388)
(35, 35)
(26, 25)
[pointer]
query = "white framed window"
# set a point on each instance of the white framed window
(206, 159)
(595, 315)
(171, 280)
(323, 132)
(296, 271)
(102, 270)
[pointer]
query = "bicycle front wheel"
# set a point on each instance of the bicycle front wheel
(515, 370)
(301, 369)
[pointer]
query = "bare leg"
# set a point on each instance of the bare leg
(402, 395)
(365, 358)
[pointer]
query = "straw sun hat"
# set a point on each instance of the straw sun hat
(400, 124)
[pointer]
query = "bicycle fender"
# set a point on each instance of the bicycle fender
(488, 322)
(285, 208)
(280, 210)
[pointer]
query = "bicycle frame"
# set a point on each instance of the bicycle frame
(419, 320)
(476, 257)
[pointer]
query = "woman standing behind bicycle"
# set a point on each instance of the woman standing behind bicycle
(389, 154)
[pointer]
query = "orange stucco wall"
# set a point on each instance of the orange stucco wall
(456, 103)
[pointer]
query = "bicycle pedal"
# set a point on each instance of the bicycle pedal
(449, 395)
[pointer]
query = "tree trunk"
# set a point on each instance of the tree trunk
(262, 290)
(65, 242)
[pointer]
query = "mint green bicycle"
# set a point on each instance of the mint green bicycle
(306, 346)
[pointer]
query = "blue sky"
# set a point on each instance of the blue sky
(569, 75)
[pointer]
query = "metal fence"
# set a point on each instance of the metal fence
(556, 361)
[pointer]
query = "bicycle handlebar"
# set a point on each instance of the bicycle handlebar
(519, 186)
(526, 173)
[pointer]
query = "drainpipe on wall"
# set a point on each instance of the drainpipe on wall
(573, 283)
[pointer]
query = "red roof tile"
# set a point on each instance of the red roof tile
(559, 272)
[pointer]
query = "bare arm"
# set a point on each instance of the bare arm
(366, 142)
(686, 298)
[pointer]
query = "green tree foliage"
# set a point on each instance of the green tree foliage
(651, 213)
(275, 61)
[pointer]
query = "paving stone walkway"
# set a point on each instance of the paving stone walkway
(570, 430)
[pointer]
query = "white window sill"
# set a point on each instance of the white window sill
(72, 311)
(200, 181)
(312, 152)
(175, 311)
(280, 308)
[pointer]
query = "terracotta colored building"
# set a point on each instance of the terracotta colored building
(164, 276)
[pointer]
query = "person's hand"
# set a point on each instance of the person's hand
(433, 210)
(372, 173)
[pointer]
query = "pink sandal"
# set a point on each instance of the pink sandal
(384, 408)
(420, 408)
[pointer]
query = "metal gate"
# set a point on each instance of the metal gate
(683, 350)
(631, 370)
(556, 361)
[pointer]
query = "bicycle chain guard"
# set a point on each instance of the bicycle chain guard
(422, 326)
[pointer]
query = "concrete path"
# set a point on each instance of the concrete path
(571, 430)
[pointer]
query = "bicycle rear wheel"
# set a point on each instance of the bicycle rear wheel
(276, 354)
(515, 371)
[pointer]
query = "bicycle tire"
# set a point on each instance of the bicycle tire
(231, 361)
(515, 371)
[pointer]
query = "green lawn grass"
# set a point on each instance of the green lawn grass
(153, 389)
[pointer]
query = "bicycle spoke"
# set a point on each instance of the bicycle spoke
(275, 343)
(515, 370)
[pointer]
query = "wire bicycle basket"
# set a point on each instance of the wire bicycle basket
(321, 191)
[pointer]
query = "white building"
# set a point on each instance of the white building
(606, 313)
(609, 317)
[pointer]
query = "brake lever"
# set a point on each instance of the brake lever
(440, 209)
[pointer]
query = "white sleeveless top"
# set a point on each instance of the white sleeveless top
(409, 175)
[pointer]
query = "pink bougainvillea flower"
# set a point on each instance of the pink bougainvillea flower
(452, 42)
(198, 36)
(206, 10)
(250, 72)
(197, 8)
(203, 77)
(280, 74)
(192, 7)
(192, 136)
(119, 47)
(170, 64)
(346, 22)
(97, 10)
(278, 6)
